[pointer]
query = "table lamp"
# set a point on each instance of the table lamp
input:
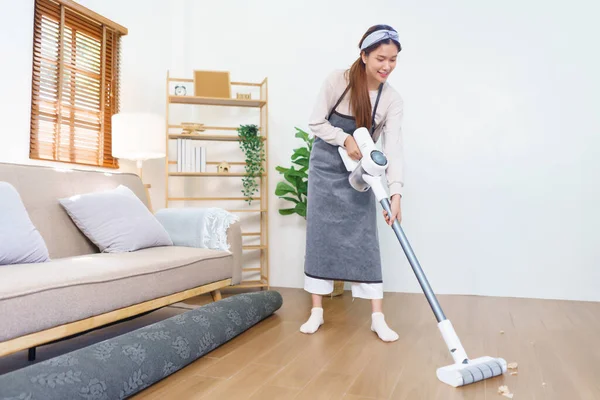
(138, 137)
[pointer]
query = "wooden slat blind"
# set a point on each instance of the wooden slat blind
(75, 87)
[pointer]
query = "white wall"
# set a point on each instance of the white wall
(501, 124)
(501, 184)
(15, 75)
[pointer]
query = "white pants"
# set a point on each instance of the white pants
(360, 290)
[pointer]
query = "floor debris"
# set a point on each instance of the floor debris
(504, 391)
(512, 365)
(502, 332)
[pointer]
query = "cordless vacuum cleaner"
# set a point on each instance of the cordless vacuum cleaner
(366, 174)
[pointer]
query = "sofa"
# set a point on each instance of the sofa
(81, 288)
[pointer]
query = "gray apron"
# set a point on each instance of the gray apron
(341, 239)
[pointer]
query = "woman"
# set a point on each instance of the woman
(342, 242)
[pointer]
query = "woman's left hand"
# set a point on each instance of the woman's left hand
(396, 212)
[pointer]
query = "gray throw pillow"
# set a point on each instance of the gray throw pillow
(116, 220)
(20, 241)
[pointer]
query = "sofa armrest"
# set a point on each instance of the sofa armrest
(234, 238)
(205, 228)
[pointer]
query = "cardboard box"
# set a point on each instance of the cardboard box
(212, 84)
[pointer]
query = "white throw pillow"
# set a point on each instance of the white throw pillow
(20, 241)
(116, 220)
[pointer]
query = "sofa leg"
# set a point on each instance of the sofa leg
(31, 354)
(216, 295)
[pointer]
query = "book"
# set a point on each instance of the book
(179, 164)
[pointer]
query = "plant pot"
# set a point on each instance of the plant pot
(338, 288)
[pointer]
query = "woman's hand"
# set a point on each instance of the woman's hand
(396, 212)
(352, 148)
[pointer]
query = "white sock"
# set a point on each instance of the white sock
(314, 322)
(379, 326)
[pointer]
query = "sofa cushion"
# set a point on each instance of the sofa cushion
(20, 241)
(35, 297)
(41, 186)
(116, 220)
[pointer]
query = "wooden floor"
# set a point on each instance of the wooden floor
(555, 344)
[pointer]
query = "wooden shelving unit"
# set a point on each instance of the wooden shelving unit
(262, 106)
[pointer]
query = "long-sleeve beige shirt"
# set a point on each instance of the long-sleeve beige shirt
(388, 120)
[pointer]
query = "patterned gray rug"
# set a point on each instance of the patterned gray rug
(119, 367)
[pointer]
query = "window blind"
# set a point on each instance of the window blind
(75, 84)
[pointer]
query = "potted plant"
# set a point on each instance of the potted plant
(295, 187)
(252, 145)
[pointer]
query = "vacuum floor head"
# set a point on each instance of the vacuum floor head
(473, 371)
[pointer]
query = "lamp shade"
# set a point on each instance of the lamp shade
(138, 136)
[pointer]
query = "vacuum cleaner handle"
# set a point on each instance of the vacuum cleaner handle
(414, 263)
(365, 175)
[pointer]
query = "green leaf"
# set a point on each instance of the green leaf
(300, 152)
(299, 182)
(290, 178)
(301, 209)
(302, 162)
(287, 211)
(283, 188)
(293, 172)
(295, 201)
(282, 169)
(300, 134)
(303, 188)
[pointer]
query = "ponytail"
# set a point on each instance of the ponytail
(360, 101)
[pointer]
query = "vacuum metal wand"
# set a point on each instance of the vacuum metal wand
(366, 175)
(414, 263)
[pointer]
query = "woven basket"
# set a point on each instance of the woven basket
(338, 288)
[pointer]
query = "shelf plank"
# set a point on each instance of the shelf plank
(246, 84)
(243, 211)
(251, 284)
(216, 174)
(215, 163)
(210, 128)
(232, 83)
(210, 198)
(251, 234)
(255, 247)
(216, 138)
(215, 101)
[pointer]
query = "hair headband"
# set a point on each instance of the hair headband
(378, 36)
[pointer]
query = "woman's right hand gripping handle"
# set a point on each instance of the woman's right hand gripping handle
(352, 148)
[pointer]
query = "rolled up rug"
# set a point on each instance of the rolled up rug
(119, 367)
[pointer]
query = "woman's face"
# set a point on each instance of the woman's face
(381, 62)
